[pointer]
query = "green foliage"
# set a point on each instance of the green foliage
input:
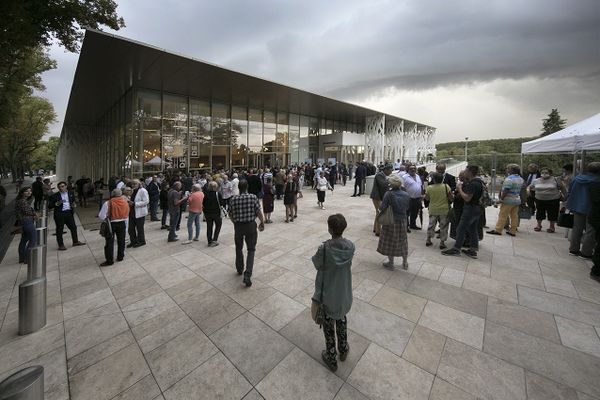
(28, 27)
(553, 123)
(24, 130)
(44, 156)
(19, 77)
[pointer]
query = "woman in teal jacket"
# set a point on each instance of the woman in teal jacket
(333, 288)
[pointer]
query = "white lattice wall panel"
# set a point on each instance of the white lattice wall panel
(374, 138)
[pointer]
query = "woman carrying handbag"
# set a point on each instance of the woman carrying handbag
(333, 290)
(393, 241)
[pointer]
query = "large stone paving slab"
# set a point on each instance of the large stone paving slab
(561, 364)
(382, 375)
(481, 374)
(252, 346)
(298, 376)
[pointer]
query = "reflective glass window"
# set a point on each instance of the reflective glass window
(269, 131)
(220, 157)
(175, 134)
(239, 136)
(221, 124)
(294, 138)
(146, 141)
(200, 134)
(255, 128)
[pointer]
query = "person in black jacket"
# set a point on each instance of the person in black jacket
(448, 179)
(254, 184)
(380, 186)
(154, 194)
(37, 189)
(593, 217)
(63, 204)
(164, 204)
(359, 176)
(212, 213)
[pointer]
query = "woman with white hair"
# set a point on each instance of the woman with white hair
(234, 184)
(139, 201)
(393, 240)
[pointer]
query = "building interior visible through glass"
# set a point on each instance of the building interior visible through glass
(192, 134)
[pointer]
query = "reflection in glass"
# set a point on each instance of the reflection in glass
(294, 138)
(146, 135)
(255, 131)
(221, 120)
(175, 134)
(239, 136)
(220, 157)
(303, 142)
(269, 131)
(313, 140)
(200, 134)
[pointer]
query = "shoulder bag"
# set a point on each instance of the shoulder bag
(386, 217)
(224, 213)
(525, 212)
(317, 310)
(105, 227)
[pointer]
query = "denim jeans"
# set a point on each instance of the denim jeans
(469, 222)
(193, 218)
(28, 239)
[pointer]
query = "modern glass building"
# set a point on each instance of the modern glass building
(136, 109)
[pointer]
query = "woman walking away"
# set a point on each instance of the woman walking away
(439, 196)
(333, 288)
(194, 210)
(164, 204)
(212, 213)
(116, 209)
(26, 217)
(289, 197)
(322, 186)
(548, 192)
(393, 241)
(268, 200)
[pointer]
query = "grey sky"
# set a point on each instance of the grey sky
(482, 69)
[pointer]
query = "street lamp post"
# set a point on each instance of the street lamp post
(466, 148)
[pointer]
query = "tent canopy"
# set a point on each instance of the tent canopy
(584, 135)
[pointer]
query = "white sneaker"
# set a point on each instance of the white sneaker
(186, 242)
(196, 239)
(322, 208)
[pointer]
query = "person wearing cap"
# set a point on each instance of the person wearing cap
(117, 211)
(380, 186)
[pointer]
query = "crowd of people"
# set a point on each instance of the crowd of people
(456, 209)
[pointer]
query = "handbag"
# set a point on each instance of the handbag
(317, 310)
(105, 227)
(565, 220)
(224, 212)
(386, 217)
(525, 212)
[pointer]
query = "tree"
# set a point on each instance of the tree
(24, 130)
(44, 156)
(28, 26)
(553, 123)
(19, 77)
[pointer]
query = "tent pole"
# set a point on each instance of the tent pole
(575, 169)
(582, 161)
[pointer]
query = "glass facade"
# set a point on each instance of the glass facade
(148, 131)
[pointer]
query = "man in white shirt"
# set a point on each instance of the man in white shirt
(414, 188)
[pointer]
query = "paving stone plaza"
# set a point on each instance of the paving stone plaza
(175, 322)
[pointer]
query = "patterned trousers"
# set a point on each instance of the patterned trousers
(330, 328)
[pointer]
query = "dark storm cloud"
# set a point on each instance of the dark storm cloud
(352, 49)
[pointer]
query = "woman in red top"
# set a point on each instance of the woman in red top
(195, 209)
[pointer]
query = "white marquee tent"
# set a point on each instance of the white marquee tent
(584, 135)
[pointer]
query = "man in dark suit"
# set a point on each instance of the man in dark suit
(154, 194)
(254, 184)
(63, 204)
(448, 179)
(361, 172)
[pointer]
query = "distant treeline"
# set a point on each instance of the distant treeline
(480, 152)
